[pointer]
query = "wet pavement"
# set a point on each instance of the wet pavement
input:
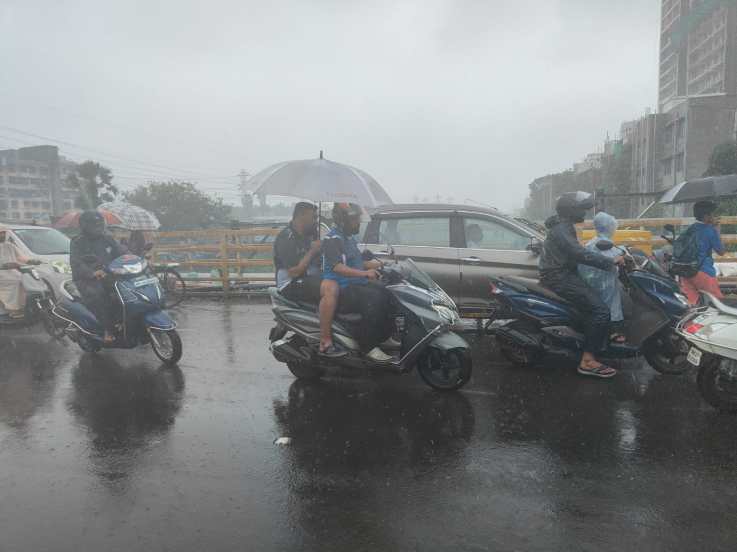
(115, 452)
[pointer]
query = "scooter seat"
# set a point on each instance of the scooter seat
(349, 317)
(534, 287)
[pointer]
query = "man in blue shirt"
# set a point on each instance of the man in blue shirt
(344, 263)
(707, 226)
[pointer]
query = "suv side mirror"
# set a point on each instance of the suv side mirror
(535, 246)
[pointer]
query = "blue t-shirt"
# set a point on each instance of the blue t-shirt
(708, 243)
(339, 249)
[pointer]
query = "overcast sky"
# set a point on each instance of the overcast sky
(466, 99)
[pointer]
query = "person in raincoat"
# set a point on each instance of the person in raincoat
(559, 262)
(12, 292)
(605, 281)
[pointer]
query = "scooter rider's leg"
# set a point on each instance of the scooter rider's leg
(329, 294)
(596, 327)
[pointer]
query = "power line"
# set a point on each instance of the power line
(111, 155)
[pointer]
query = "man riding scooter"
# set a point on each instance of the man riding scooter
(89, 278)
(561, 255)
(344, 263)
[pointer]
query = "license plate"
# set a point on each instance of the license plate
(694, 356)
(145, 282)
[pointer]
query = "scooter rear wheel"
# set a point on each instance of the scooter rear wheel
(445, 370)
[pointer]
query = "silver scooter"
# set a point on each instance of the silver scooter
(711, 332)
(424, 316)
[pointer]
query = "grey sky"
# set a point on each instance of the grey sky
(468, 99)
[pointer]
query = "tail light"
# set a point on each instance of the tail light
(693, 328)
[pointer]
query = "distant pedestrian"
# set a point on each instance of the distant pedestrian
(706, 228)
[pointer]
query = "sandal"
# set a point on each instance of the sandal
(617, 338)
(602, 371)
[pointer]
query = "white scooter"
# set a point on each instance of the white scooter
(711, 332)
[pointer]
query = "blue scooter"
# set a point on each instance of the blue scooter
(531, 321)
(139, 301)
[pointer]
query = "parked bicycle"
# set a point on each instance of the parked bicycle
(171, 282)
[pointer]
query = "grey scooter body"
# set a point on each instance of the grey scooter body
(424, 319)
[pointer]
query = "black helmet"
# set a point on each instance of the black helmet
(347, 217)
(573, 205)
(91, 224)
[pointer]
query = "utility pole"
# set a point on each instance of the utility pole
(246, 195)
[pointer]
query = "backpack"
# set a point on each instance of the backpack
(686, 260)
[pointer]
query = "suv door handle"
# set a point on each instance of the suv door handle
(471, 260)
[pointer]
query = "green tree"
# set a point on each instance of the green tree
(180, 205)
(95, 184)
(723, 161)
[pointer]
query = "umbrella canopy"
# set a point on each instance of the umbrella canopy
(320, 180)
(131, 217)
(712, 187)
(70, 219)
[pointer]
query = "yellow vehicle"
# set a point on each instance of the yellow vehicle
(639, 239)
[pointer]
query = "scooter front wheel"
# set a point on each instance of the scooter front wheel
(717, 381)
(167, 345)
(445, 370)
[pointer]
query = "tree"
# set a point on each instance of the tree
(180, 205)
(95, 184)
(723, 161)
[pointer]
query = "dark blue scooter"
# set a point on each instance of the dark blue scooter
(531, 321)
(139, 298)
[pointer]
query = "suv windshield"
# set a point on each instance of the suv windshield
(44, 241)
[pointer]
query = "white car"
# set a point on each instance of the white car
(42, 243)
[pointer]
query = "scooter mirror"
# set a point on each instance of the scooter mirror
(535, 246)
(604, 245)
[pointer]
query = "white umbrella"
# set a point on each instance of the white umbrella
(131, 216)
(319, 180)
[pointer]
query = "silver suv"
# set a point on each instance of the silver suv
(458, 245)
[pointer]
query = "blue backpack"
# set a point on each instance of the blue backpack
(686, 258)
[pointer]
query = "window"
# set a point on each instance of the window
(418, 231)
(489, 234)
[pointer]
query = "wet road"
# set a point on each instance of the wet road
(113, 452)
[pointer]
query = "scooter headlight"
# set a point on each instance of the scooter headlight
(450, 316)
(133, 268)
(61, 267)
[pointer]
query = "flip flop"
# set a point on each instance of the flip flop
(602, 371)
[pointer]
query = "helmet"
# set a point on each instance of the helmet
(347, 217)
(91, 224)
(573, 205)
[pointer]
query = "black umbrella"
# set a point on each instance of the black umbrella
(691, 191)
